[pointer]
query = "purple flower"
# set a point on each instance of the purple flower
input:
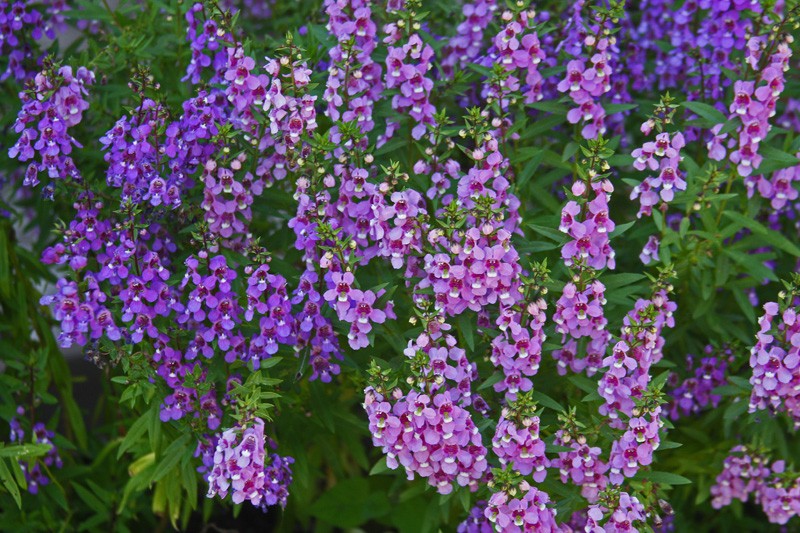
(432, 438)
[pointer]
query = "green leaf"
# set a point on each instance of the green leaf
(744, 304)
(62, 377)
(9, 483)
(664, 478)
(547, 401)
(735, 410)
(555, 448)
(136, 431)
(775, 159)
(613, 281)
(583, 383)
(706, 111)
(90, 499)
(379, 468)
(24, 451)
(16, 469)
(189, 477)
(463, 497)
(742, 383)
(497, 377)
(154, 433)
(269, 363)
(727, 390)
(466, 328)
(349, 503)
(659, 380)
(622, 228)
(569, 151)
(530, 167)
(550, 233)
(610, 109)
(549, 107)
(769, 236)
(172, 456)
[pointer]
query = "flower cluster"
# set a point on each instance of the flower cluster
(476, 522)
(517, 350)
(586, 83)
(528, 512)
(640, 346)
(277, 478)
(354, 79)
(636, 446)
(54, 104)
(23, 26)
(704, 38)
(518, 50)
(579, 314)
(467, 43)
(753, 105)
(662, 156)
(356, 307)
(227, 200)
(587, 222)
(650, 251)
(408, 61)
(34, 476)
(619, 513)
(151, 160)
(267, 296)
(742, 473)
(582, 465)
(205, 38)
(775, 359)
(433, 438)
(516, 440)
(243, 468)
(745, 472)
(780, 188)
(694, 394)
(211, 306)
(289, 114)
(438, 363)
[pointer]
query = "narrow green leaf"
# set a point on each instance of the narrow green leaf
(771, 237)
(497, 377)
(547, 401)
(91, 499)
(775, 159)
(466, 328)
(379, 468)
(744, 304)
(23, 451)
(135, 432)
(549, 107)
(172, 456)
(613, 281)
(622, 228)
(583, 383)
(706, 111)
(735, 410)
(610, 109)
(665, 478)
(555, 448)
(9, 483)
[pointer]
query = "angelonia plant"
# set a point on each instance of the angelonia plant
(403, 265)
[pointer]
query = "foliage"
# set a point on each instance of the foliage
(507, 248)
